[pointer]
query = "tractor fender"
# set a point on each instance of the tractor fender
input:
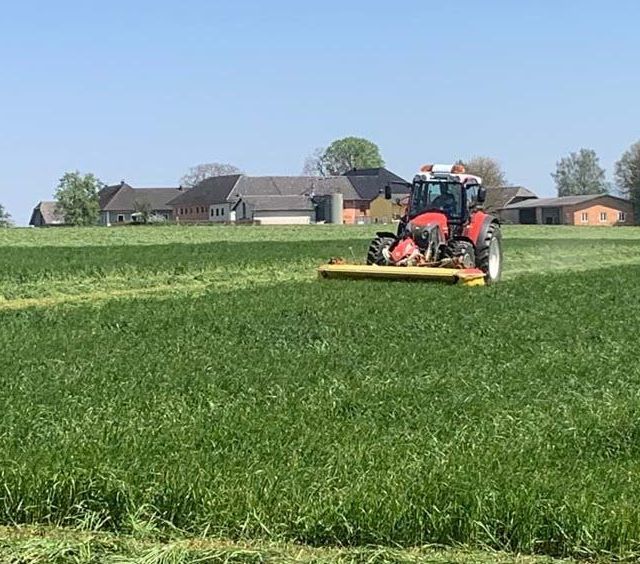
(478, 229)
(386, 234)
(488, 222)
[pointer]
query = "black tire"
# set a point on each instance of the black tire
(464, 251)
(374, 256)
(487, 247)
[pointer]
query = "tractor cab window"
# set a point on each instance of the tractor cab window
(472, 195)
(437, 196)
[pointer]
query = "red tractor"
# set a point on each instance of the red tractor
(444, 226)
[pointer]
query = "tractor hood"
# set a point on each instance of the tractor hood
(430, 218)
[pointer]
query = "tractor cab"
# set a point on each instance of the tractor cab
(446, 190)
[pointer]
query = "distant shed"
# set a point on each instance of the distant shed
(275, 210)
(47, 214)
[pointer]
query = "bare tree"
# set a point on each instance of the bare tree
(314, 164)
(201, 172)
(488, 169)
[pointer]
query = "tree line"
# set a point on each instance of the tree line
(578, 173)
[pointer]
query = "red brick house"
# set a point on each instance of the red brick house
(595, 209)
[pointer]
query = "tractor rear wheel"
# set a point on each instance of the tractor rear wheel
(489, 254)
(375, 256)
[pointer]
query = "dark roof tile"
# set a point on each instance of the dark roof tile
(214, 190)
(124, 197)
(370, 182)
(498, 198)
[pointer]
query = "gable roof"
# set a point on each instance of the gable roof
(222, 189)
(560, 201)
(498, 198)
(214, 190)
(51, 214)
(292, 186)
(369, 182)
(123, 197)
(277, 203)
(363, 184)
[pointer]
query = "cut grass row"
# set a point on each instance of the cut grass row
(194, 235)
(338, 413)
(60, 270)
(35, 545)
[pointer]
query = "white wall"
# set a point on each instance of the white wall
(283, 217)
(219, 213)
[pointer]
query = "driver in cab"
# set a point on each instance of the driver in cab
(446, 201)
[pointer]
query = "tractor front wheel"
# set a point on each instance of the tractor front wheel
(375, 256)
(489, 254)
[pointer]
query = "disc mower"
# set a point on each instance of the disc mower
(444, 234)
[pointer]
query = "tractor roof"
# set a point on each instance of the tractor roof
(449, 177)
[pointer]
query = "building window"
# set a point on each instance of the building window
(120, 218)
(211, 212)
(222, 211)
(244, 210)
(622, 216)
(217, 212)
(603, 217)
(584, 217)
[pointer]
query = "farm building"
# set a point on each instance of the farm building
(120, 203)
(368, 185)
(595, 209)
(498, 198)
(275, 210)
(382, 210)
(218, 199)
(46, 214)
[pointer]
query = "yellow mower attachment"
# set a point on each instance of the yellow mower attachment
(466, 276)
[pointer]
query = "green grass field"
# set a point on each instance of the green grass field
(202, 382)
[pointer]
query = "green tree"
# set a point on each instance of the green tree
(77, 198)
(488, 169)
(198, 173)
(342, 156)
(580, 173)
(5, 217)
(627, 175)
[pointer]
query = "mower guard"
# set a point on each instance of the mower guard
(465, 276)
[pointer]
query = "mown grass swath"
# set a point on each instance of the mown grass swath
(330, 413)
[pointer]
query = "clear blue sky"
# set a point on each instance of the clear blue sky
(142, 90)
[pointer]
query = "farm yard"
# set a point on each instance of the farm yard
(173, 392)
